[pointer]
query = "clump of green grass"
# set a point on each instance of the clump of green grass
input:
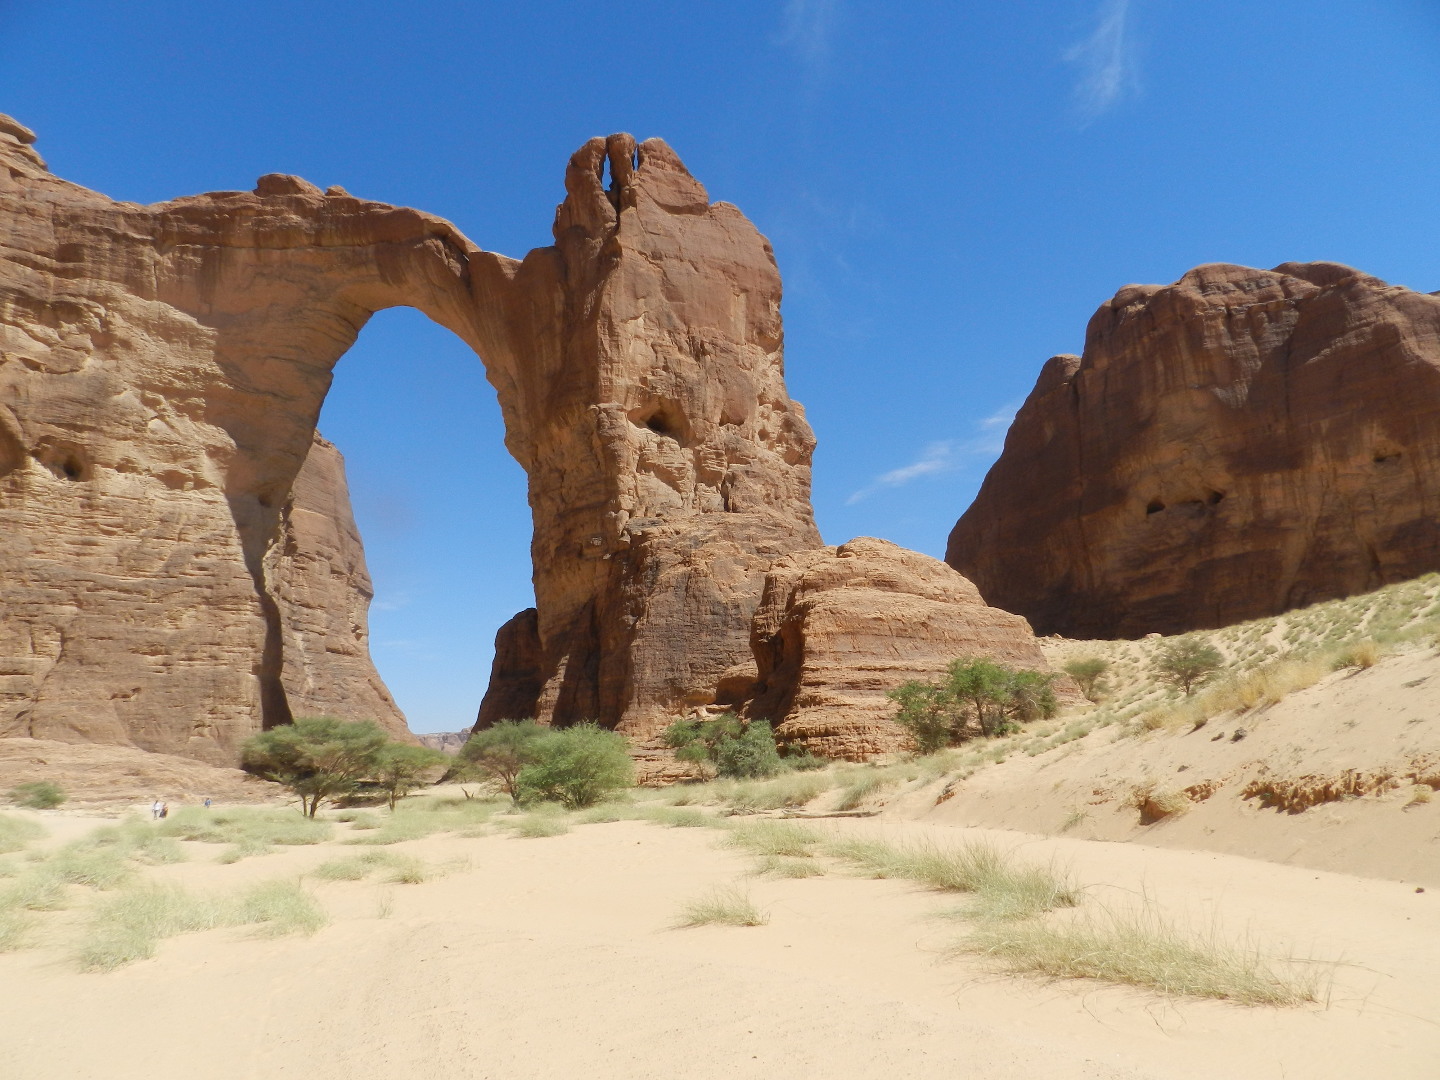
(17, 832)
(15, 927)
(249, 830)
(786, 791)
(537, 824)
(354, 867)
(723, 905)
(775, 838)
(605, 813)
(1140, 949)
(788, 866)
(861, 784)
(419, 818)
(1002, 888)
(129, 926)
(38, 795)
(681, 817)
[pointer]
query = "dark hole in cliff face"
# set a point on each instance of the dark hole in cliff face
(73, 468)
(1155, 507)
(1386, 457)
(1215, 498)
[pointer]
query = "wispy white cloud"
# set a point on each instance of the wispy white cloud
(1106, 60)
(392, 602)
(945, 456)
(807, 27)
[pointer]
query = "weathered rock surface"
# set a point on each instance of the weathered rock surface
(1234, 445)
(315, 572)
(838, 627)
(178, 561)
(161, 369)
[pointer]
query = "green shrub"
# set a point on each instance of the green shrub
(252, 830)
(576, 766)
(400, 769)
(733, 748)
(38, 795)
(977, 696)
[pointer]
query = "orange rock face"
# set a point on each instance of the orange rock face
(839, 627)
(166, 581)
(1234, 445)
(178, 562)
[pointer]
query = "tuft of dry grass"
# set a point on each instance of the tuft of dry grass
(1002, 888)
(722, 905)
(788, 866)
(1141, 949)
(536, 825)
(17, 832)
(775, 838)
(129, 926)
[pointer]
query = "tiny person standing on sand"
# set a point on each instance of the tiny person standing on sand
(155, 809)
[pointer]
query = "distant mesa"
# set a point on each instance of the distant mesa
(1235, 445)
(179, 564)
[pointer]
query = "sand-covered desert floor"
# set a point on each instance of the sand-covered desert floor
(561, 956)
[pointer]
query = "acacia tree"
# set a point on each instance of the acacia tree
(974, 693)
(576, 766)
(1087, 674)
(316, 757)
(499, 753)
(928, 713)
(1187, 663)
(400, 769)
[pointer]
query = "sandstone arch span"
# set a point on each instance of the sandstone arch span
(178, 567)
(176, 357)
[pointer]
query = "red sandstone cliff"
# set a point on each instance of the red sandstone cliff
(1234, 445)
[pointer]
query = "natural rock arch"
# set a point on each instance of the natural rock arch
(180, 353)
(178, 562)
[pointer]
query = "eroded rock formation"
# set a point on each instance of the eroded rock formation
(1234, 445)
(178, 563)
(162, 370)
(838, 627)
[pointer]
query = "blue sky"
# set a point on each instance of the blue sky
(952, 188)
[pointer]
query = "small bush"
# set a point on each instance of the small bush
(723, 905)
(576, 766)
(730, 746)
(499, 753)
(1360, 654)
(38, 795)
(1088, 674)
(976, 697)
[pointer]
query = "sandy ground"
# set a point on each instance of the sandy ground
(558, 957)
(1374, 722)
(97, 775)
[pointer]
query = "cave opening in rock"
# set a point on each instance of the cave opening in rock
(441, 509)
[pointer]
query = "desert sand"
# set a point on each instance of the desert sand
(560, 956)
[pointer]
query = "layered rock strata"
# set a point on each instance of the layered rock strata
(1234, 445)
